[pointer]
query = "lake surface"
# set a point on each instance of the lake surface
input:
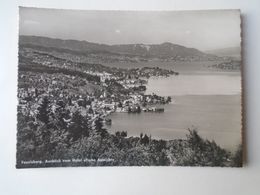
(196, 84)
(210, 102)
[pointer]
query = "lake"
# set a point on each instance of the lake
(208, 101)
(199, 83)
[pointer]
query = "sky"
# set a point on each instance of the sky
(204, 30)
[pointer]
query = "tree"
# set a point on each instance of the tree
(79, 126)
(62, 118)
(69, 101)
(138, 109)
(162, 158)
(44, 110)
(201, 152)
(99, 128)
(90, 110)
(145, 140)
(120, 105)
(26, 137)
(169, 99)
(124, 134)
(118, 133)
(121, 133)
(238, 157)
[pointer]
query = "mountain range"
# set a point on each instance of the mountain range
(164, 50)
(229, 51)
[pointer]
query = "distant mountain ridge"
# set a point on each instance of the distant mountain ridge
(164, 50)
(229, 51)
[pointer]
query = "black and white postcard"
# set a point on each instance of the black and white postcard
(129, 88)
